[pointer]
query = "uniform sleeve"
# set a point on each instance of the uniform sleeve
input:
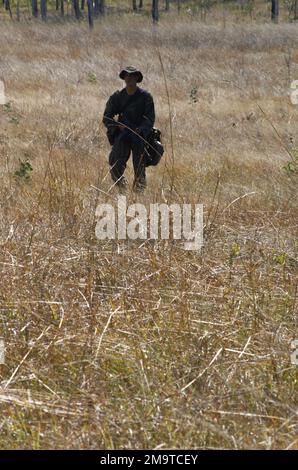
(110, 111)
(149, 115)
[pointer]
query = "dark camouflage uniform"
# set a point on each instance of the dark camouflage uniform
(139, 114)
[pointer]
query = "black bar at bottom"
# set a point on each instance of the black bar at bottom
(132, 459)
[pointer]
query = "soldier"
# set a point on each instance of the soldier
(136, 115)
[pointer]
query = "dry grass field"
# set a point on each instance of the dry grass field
(130, 345)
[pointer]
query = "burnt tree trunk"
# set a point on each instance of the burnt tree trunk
(102, 7)
(76, 8)
(7, 7)
(34, 8)
(96, 7)
(155, 11)
(90, 13)
(274, 11)
(43, 9)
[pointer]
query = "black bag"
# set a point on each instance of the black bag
(153, 148)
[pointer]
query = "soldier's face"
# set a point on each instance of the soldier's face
(131, 79)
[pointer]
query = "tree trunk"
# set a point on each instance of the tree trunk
(34, 8)
(7, 7)
(134, 6)
(43, 9)
(76, 8)
(18, 10)
(140, 4)
(96, 7)
(274, 11)
(82, 4)
(102, 7)
(90, 13)
(155, 12)
(167, 5)
(62, 8)
(178, 6)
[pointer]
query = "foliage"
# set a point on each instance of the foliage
(23, 172)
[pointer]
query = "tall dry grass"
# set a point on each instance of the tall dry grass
(138, 345)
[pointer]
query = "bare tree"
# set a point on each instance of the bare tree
(7, 7)
(90, 13)
(96, 7)
(18, 10)
(34, 8)
(43, 9)
(274, 10)
(102, 7)
(155, 11)
(76, 8)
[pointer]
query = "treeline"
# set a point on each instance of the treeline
(92, 9)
